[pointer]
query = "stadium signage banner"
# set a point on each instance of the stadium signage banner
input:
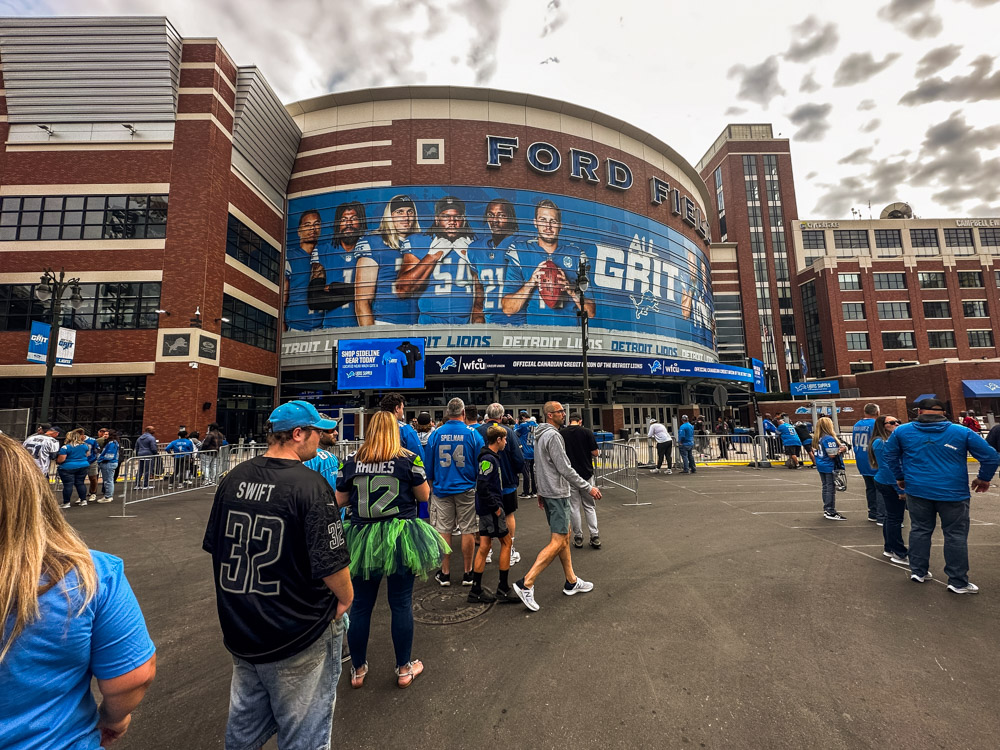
(474, 268)
(816, 388)
(378, 364)
(38, 344)
(759, 378)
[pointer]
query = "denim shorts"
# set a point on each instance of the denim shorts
(557, 513)
(294, 697)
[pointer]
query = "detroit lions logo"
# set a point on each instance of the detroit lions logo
(567, 261)
(448, 363)
(655, 367)
(644, 304)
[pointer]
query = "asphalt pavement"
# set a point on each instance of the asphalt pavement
(728, 613)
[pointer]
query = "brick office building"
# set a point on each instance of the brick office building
(152, 168)
(750, 181)
(917, 294)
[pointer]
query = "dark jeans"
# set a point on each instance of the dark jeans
(723, 448)
(954, 527)
(74, 478)
(400, 590)
(687, 458)
(829, 492)
(892, 532)
(530, 488)
(876, 508)
(665, 451)
(145, 470)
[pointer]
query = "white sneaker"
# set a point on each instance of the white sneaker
(91, 497)
(654, 471)
(64, 505)
(580, 587)
(969, 588)
(527, 596)
(670, 471)
(489, 557)
(83, 504)
(105, 499)
(515, 556)
(921, 579)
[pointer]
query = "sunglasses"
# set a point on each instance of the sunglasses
(892, 421)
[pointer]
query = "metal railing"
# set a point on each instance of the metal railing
(740, 448)
(617, 466)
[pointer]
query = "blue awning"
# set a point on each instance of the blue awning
(921, 397)
(981, 388)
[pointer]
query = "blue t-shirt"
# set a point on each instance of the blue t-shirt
(451, 286)
(77, 456)
(388, 306)
(522, 260)
(685, 434)
(526, 434)
(339, 265)
(860, 437)
(883, 474)
(298, 316)
(45, 698)
(327, 464)
(490, 262)
(452, 450)
(95, 449)
(411, 440)
(180, 445)
(789, 437)
(826, 454)
(109, 454)
(392, 361)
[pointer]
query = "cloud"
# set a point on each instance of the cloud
(812, 121)
(860, 66)
(865, 104)
(555, 16)
(857, 157)
(913, 17)
(938, 59)
(979, 85)
(758, 83)
(811, 39)
(734, 111)
(811, 175)
(809, 84)
(870, 126)
(982, 3)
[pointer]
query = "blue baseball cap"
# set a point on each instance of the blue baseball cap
(298, 414)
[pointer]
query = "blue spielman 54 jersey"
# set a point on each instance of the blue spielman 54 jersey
(451, 286)
(525, 257)
(339, 265)
(383, 489)
(491, 263)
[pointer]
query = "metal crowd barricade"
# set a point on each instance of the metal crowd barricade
(617, 466)
(161, 475)
(344, 448)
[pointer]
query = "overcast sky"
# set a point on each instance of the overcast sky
(885, 100)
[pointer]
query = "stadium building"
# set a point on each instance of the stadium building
(224, 243)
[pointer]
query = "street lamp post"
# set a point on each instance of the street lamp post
(582, 284)
(51, 289)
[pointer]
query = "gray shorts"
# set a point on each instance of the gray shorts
(92, 470)
(450, 512)
(557, 513)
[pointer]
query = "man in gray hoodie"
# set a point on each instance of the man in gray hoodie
(554, 474)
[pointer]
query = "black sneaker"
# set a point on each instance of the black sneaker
(595, 542)
(578, 541)
(505, 595)
(834, 516)
(872, 519)
(467, 579)
(442, 579)
(480, 597)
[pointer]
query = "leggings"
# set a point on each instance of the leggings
(400, 590)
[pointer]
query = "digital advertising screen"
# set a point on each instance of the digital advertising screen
(380, 364)
(482, 269)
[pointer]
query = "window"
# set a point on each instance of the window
(857, 367)
(924, 240)
(813, 239)
(252, 250)
(996, 277)
(889, 280)
(83, 217)
(88, 402)
(104, 306)
(937, 309)
(850, 238)
(887, 238)
(975, 308)
(849, 282)
(959, 240)
(893, 310)
(248, 324)
(854, 310)
(719, 198)
(857, 341)
(989, 237)
(941, 339)
(980, 339)
(970, 279)
(931, 280)
(897, 340)
(814, 343)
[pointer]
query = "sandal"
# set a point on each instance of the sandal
(358, 676)
(404, 679)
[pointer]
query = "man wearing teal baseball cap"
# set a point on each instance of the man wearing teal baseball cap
(282, 585)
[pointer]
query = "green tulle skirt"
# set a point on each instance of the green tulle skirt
(386, 547)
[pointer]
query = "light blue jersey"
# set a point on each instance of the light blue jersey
(490, 262)
(327, 464)
(524, 258)
(340, 266)
(451, 286)
(451, 464)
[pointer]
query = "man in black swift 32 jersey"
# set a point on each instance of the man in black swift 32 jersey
(282, 586)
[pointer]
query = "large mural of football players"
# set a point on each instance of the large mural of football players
(443, 257)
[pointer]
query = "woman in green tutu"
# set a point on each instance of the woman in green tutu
(384, 482)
